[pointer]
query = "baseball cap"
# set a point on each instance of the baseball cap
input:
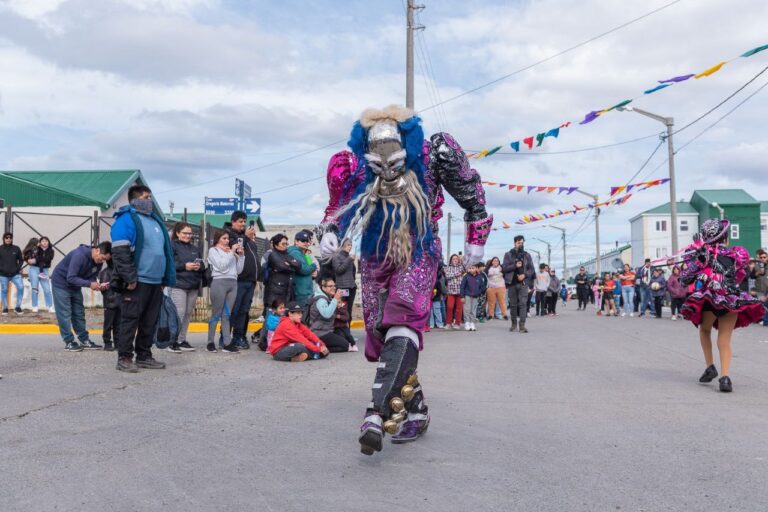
(294, 307)
(303, 236)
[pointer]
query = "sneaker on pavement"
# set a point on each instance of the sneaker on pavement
(623, 314)
(73, 346)
(186, 347)
(674, 317)
(89, 345)
(211, 347)
(150, 364)
(243, 344)
(173, 347)
(353, 348)
(523, 329)
(35, 310)
(231, 348)
(371, 435)
(108, 346)
(18, 311)
(126, 364)
(467, 326)
(5, 311)
(631, 315)
(51, 309)
(412, 429)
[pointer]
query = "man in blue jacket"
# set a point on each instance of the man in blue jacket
(77, 270)
(143, 260)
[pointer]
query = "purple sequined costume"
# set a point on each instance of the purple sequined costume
(717, 271)
(410, 289)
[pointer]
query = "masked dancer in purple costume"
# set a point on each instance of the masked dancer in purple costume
(388, 193)
(716, 271)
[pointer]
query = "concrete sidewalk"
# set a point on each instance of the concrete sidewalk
(581, 414)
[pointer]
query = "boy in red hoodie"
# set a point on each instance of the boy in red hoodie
(293, 341)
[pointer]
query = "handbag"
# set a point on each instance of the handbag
(207, 277)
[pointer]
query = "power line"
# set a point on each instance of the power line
(737, 91)
(553, 56)
(580, 150)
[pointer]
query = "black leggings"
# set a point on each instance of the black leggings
(657, 305)
(335, 342)
(676, 305)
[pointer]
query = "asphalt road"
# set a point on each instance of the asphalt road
(581, 414)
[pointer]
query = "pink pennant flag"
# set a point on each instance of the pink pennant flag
(541, 189)
(520, 188)
(510, 187)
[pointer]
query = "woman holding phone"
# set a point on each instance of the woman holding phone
(226, 263)
(189, 277)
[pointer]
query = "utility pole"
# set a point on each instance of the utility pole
(538, 256)
(549, 250)
(564, 272)
(597, 228)
(410, 28)
(669, 122)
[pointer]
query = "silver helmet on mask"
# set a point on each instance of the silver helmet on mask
(386, 158)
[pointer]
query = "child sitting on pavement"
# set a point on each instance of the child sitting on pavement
(293, 341)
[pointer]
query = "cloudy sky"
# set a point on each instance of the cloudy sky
(195, 92)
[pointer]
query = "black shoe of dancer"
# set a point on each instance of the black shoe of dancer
(371, 435)
(726, 386)
(709, 374)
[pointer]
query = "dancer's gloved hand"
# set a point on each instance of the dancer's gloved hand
(473, 254)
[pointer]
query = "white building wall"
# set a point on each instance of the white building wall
(654, 243)
(764, 230)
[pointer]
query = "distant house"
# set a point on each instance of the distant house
(610, 261)
(651, 229)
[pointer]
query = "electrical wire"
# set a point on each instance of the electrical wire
(555, 55)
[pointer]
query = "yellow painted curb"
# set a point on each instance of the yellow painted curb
(195, 327)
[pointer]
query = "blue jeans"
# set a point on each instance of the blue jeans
(646, 302)
(18, 283)
(35, 282)
(70, 314)
(628, 294)
(436, 315)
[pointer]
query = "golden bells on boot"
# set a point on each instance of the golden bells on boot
(397, 404)
(407, 392)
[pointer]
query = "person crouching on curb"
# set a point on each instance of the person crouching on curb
(473, 286)
(293, 341)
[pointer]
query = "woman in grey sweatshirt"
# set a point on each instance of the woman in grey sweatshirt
(226, 263)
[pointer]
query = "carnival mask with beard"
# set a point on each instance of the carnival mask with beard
(394, 203)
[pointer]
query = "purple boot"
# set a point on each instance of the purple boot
(412, 429)
(371, 435)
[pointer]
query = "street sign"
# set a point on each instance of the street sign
(242, 189)
(221, 205)
(252, 206)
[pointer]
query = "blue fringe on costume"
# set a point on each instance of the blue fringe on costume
(413, 143)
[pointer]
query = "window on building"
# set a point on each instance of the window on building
(661, 252)
(764, 225)
(734, 232)
(661, 225)
(683, 225)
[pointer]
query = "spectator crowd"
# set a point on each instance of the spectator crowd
(151, 279)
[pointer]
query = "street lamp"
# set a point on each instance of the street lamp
(669, 122)
(722, 212)
(597, 227)
(564, 274)
(549, 250)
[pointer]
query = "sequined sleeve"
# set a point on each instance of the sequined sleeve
(452, 170)
(740, 256)
(692, 267)
(343, 178)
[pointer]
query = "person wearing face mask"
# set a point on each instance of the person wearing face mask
(143, 262)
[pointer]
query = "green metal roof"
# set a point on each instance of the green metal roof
(216, 221)
(682, 207)
(725, 197)
(19, 191)
(100, 185)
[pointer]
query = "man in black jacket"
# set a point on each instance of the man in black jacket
(11, 261)
(519, 274)
(246, 280)
(582, 288)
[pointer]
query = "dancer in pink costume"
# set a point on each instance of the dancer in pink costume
(388, 193)
(715, 270)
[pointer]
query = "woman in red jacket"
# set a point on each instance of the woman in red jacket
(293, 341)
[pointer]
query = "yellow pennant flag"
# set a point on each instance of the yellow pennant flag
(710, 71)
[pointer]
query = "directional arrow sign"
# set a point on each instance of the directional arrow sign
(252, 205)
